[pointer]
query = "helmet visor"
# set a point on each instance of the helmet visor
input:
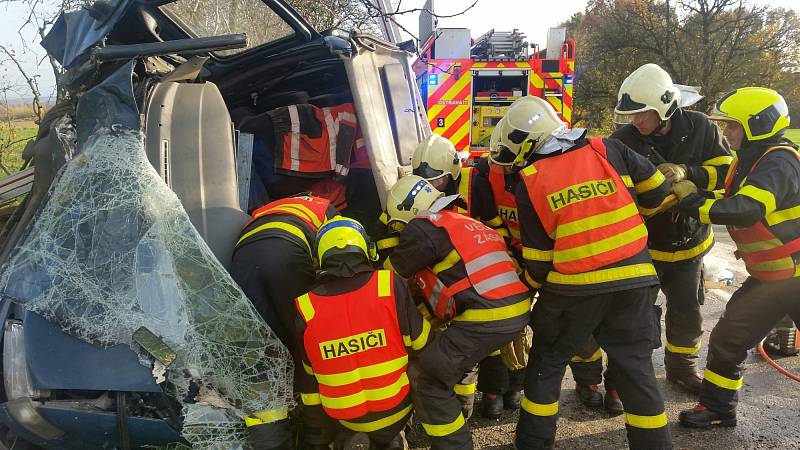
(429, 173)
(502, 155)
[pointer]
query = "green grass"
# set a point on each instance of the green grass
(793, 135)
(11, 144)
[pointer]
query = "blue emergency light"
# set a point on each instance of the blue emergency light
(433, 80)
(567, 79)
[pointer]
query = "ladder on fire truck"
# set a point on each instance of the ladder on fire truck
(501, 46)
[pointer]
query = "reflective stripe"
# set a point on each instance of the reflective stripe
(310, 399)
(626, 179)
(383, 244)
(531, 281)
(497, 281)
(534, 254)
(379, 424)
(494, 223)
(384, 283)
(361, 397)
(596, 356)
(601, 246)
(306, 308)
(718, 161)
(267, 416)
(758, 246)
(495, 353)
(465, 389)
(683, 350)
(762, 196)
(661, 206)
(333, 130)
(647, 422)
(530, 170)
(294, 146)
(289, 228)
(680, 255)
(421, 340)
(490, 314)
(719, 380)
(360, 373)
(448, 262)
(485, 261)
(712, 177)
(307, 369)
(774, 265)
(294, 209)
(446, 429)
(705, 210)
(655, 180)
(783, 215)
(603, 275)
(539, 409)
(502, 232)
(383, 218)
(596, 221)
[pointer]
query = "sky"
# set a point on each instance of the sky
(532, 17)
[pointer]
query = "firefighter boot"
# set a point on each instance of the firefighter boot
(612, 403)
(702, 417)
(511, 400)
(683, 372)
(589, 395)
(491, 405)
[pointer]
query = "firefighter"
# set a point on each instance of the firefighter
(469, 282)
(273, 262)
(761, 207)
(358, 331)
(684, 145)
(585, 248)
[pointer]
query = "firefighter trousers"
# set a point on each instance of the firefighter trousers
(587, 364)
(465, 391)
(272, 272)
(624, 324)
(381, 428)
(682, 284)
(494, 377)
(442, 364)
(750, 315)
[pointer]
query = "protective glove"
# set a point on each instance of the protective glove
(270, 436)
(682, 189)
(515, 353)
(673, 172)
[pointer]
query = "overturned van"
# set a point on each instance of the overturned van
(122, 327)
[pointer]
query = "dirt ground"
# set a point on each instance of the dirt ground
(768, 414)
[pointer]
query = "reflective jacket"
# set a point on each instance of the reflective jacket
(356, 350)
(489, 269)
(314, 142)
(761, 207)
(506, 203)
(294, 218)
(697, 142)
(581, 227)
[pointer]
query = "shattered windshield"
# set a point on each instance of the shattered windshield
(214, 17)
(113, 251)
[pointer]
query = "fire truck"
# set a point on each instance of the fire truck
(467, 85)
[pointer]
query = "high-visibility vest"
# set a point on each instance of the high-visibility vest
(585, 208)
(506, 203)
(465, 191)
(314, 141)
(766, 256)
(355, 348)
(482, 250)
(310, 210)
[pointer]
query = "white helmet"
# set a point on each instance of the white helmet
(648, 88)
(410, 196)
(436, 157)
(529, 122)
(498, 153)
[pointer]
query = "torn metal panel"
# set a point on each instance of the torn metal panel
(113, 250)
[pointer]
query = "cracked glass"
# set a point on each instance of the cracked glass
(112, 251)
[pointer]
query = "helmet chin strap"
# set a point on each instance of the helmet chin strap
(660, 127)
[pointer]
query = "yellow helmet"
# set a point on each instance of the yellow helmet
(648, 88)
(342, 235)
(760, 111)
(436, 157)
(409, 197)
(526, 126)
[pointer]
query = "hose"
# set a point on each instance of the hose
(772, 363)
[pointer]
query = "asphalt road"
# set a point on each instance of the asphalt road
(768, 414)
